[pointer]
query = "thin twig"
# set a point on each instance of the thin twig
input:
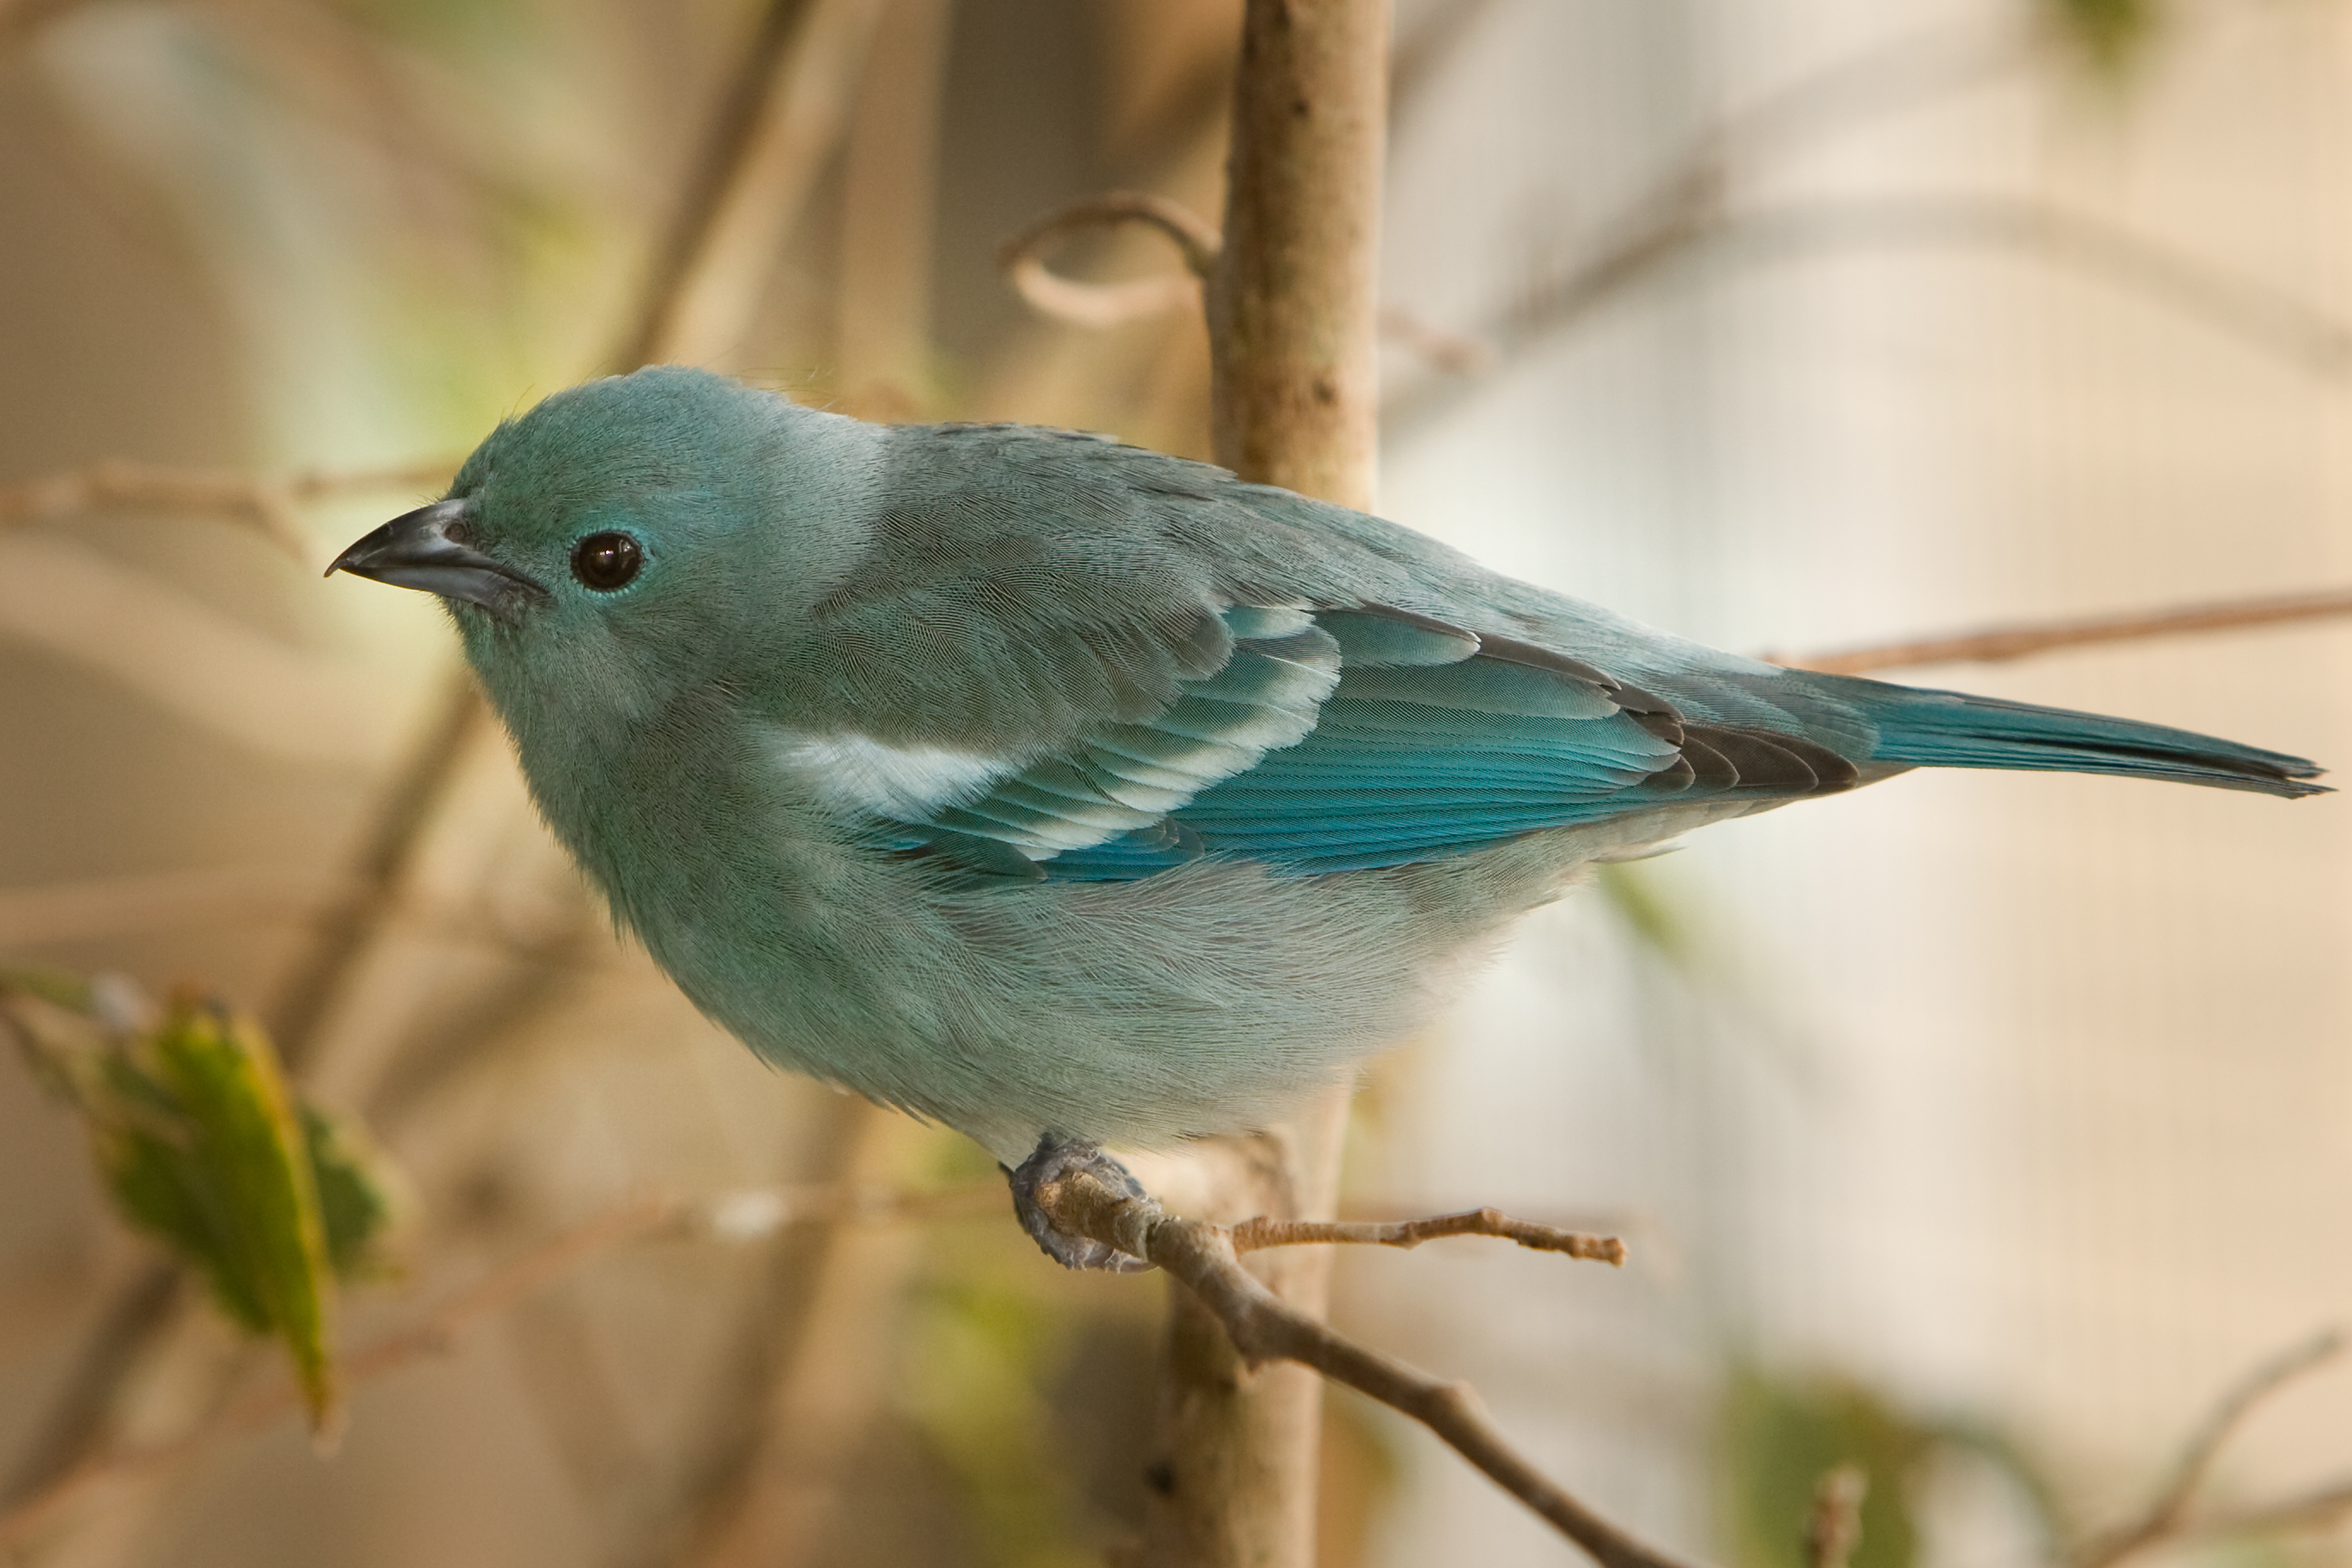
(1691, 208)
(108, 906)
(1253, 1234)
(349, 931)
(132, 1313)
(2167, 1515)
(1833, 1527)
(730, 1216)
(2224, 298)
(265, 504)
(1994, 644)
(1110, 304)
(434, 1333)
(744, 108)
(1434, 346)
(2323, 1509)
(1264, 1329)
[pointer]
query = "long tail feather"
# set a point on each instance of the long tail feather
(1951, 730)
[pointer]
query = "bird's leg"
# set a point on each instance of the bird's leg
(1054, 1158)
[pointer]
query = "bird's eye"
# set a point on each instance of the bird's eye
(606, 562)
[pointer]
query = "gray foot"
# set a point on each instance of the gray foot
(1053, 1159)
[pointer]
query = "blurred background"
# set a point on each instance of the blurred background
(1983, 1130)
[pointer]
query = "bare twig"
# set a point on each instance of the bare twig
(783, 120)
(687, 1506)
(1687, 206)
(2323, 1509)
(265, 504)
(1434, 346)
(434, 1333)
(2222, 298)
(1253, 1234)
(1833, 1527)
(130, 1315)
(1691, 208)
(107, 906)
(404, 811)
(2167, 1515)
(744, 108)
(728, 1216)
(1266, 1329)
(1102, 305)
(1023, 258)
(1994, 644)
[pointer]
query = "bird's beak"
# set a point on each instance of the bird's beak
(430, 549)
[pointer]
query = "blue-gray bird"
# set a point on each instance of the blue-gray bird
(1072, 794)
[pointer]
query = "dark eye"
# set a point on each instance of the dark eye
(606, 561)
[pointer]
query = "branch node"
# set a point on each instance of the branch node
(1262, 1328)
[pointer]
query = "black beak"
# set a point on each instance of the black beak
(430, 549)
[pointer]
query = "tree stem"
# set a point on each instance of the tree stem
(1293, 334)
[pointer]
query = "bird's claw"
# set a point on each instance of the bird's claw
(1052, 1160)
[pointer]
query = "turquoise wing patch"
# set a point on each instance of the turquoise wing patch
(1354, 739)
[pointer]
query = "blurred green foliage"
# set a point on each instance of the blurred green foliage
(202, 1145)
(992, 1344)
(1782, 1433)
(2112, 34)
(1648, 914)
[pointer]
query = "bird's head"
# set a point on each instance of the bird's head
(611, 546)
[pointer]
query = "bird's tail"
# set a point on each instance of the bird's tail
(1948, 730)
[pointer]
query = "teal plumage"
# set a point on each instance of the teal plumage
(1057, 789)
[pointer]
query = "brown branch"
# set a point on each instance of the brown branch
(735, 1216)
(1022, 259)
(1292, 316)
(1994, 644)
(1253, 1234)
(2165, 1517)
(265, 504)
(1833, 1527)
(1263, 1328)
(726, 154)
(753, 176)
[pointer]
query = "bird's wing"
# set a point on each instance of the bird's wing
(1328, 740)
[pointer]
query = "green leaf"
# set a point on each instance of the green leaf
(356, 1193)
(203, 1146)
